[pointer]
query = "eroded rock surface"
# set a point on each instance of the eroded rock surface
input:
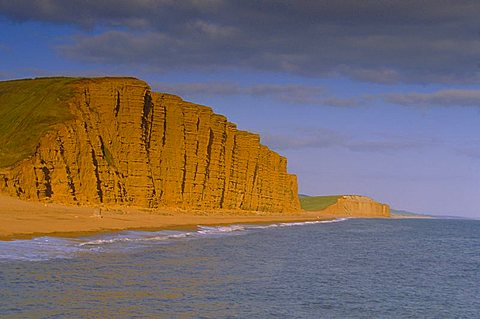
(357, 206)
(130, 146)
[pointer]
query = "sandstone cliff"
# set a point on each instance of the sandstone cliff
(129, 146)
(357, 206)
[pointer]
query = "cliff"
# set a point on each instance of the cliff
(346, 206)
(122, 144)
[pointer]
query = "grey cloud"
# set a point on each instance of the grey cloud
(317, 138)
(320, 96)
(288, 93)
(296, 94)
(383, 145)
(4, 48)
(470, 147)
(385, 42)
(450, 97)
(199, 89)
(325, 138)
(471, 152)
(5, 75)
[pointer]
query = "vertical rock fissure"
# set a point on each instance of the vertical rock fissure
(107, 156)
(255, 172)
(48, 184)
(18, 189)
(86, 120)
(123, 191)
(68, 171)
(37, 184)
(147, 120)
(147, 130)
(117, 104)
(224, 151)
(209, 159)
(97, 176)
(86, 94)
(233, 187)
(5, 181)
(184, 176)
(195, 172)
(164, 135)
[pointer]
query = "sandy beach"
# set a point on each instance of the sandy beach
(23, 219)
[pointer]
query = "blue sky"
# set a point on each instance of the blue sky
(379, 98)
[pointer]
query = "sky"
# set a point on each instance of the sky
(377, 98)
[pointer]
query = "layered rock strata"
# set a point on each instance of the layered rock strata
(130, 146)
(357, 206)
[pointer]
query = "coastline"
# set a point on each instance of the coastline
(21, 219)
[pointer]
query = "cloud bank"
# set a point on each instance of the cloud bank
(320, 96)
(326, 138)
(449, 97)
(396, 41)
(288, 93)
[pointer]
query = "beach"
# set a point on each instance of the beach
(21, 219)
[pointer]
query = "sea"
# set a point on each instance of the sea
(345, 268)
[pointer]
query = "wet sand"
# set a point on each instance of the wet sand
(24, 219)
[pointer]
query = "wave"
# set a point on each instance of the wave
(137, 237)
(45, 248)
(212, 230)
(201, 232)
(313, 222)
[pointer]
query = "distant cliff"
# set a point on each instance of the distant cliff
(346, 206)
(119, 143)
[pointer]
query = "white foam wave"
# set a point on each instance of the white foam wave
(212, 230)
(313, 222)
(104, 241)
(202, 231)
(136, 237)
(48, 248)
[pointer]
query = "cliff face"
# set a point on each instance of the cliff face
(129, 146)
(357, 206)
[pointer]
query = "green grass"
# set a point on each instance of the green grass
(28, 109)
(314, 203)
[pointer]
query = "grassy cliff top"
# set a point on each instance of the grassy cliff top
(28, 109)
(314, 203)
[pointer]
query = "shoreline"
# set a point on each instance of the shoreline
(21, 219)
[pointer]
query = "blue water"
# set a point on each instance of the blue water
(345, 269)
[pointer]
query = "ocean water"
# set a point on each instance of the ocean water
(355, 268)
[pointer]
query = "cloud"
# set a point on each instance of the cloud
(385, 42)
(316, 138)
(383, 145)
(470, 148)
(325, 138)
(287, 93)
(200, 88)
(5, 75)
(4, 48)
(448, 97)
(473, 153)
(320, 96)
